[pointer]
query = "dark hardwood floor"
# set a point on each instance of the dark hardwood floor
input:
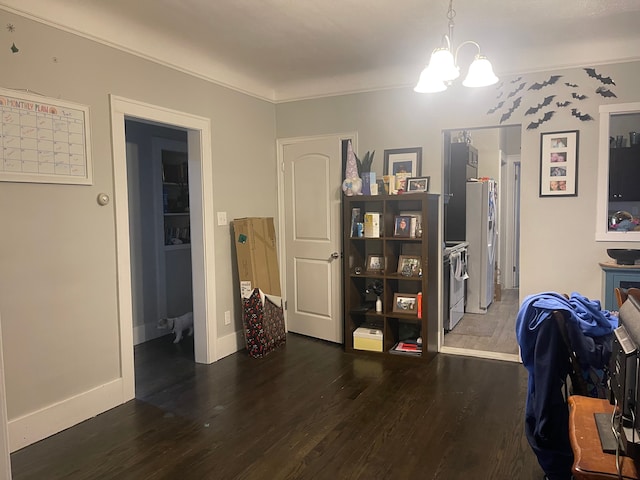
(306, 411)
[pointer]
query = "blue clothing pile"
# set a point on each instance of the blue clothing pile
(545, 355)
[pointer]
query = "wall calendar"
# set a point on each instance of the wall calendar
(43, 140)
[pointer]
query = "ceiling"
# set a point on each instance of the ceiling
(283, 50)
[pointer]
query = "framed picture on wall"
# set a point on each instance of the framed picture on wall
(559, 164)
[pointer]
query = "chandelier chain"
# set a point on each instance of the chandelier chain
(451, 12)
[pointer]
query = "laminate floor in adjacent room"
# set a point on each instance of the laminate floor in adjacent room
(306, 411)
(494, 331)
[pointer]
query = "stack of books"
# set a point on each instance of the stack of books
(407, 347)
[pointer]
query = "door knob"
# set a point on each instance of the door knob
(335, 255)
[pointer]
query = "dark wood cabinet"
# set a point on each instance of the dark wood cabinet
(624, 174)
(386, 251)
(460, 165)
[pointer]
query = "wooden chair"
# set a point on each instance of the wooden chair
(622, 294)
(634, 292)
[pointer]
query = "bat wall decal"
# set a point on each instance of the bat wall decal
(563, 104)
(507, 114)
(540, 106)
(571, 85)
(516, 80)
(582, 116)
(520, 87)
(577, 96)
(604, 80)
(495, 109)
(605, 92)
(547, 116)
(552, 80)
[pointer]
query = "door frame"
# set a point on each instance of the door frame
(202, 227)
(280, 144)
(442, 348)
(512, 222)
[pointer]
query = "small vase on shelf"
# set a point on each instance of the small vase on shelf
(379, 305)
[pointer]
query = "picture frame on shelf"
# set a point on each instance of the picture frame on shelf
(409, 265)
(401, 181)
(418, 184)
(402, 226)
(403, 161)
(375, 263)
(559, 164)
(406, 303)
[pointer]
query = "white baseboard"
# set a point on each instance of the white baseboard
(52, 419)
(230, 344)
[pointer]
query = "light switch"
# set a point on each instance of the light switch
(222, 218)
(227, 317)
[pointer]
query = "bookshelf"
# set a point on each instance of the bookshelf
(404, 266)
(174, 292)
(175, 200)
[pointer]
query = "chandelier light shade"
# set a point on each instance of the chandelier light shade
(443, 67)
(429, 83)
(480, 73)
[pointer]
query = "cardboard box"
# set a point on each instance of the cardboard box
(367, 339)
(256, 254)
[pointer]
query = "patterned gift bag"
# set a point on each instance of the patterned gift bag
(263, 325)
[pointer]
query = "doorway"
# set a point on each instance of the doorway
(159, 226)
(202, 227)
(492, 334)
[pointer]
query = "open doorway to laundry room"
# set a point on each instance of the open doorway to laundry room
(201, 234)
(481, 252)
(160, 246)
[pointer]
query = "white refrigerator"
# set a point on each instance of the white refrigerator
(482, 237)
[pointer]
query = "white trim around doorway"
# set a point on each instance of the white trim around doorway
(202, 228)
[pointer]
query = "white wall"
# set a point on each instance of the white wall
(558, 247)
(57, 254)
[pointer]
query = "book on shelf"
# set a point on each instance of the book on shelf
(368, 179)
(372, 221)
(407, 347)
(355, 219)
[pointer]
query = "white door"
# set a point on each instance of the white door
(312, 171)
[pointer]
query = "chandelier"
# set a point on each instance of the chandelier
(443, 66)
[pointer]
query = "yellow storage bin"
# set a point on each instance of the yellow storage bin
(367, 339)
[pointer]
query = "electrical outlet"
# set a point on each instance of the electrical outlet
(222, 218)
(227, 317)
